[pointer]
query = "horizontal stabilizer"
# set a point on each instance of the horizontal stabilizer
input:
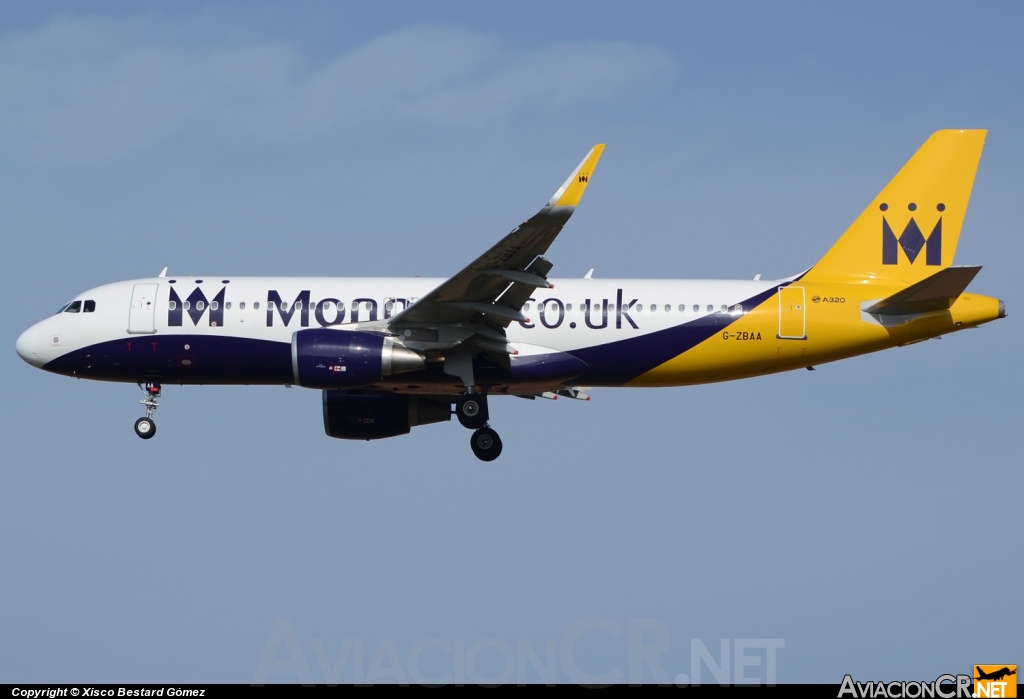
(935, 293)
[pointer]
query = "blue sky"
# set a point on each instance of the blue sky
(864, 513)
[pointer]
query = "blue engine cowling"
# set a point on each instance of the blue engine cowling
(365, 415)
(326, 358)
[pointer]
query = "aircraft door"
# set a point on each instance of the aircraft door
(142, 314)
(792, 313)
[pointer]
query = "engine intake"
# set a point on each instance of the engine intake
(354, 415)
(325, 358)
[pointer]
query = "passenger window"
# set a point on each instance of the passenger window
(682, 308)
(214, 305)
(739, 308)
(284, 305)
(241, 305)
(654, 307)
(256, 306)
(171, 305)
(667, 308)
(89, 307)
(74, 307)
(298, 305)
(227, 306)
(200, 305)
(389, 306)
(711, 308)
(639, 307)
(186, 305)
(568, 307)
(696, 308)
(270, 306)
(526, 306)
(724, 308)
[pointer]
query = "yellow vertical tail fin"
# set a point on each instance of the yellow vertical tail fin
(911, 229)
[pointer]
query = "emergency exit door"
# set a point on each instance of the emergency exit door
(792, 313)
(142, 314)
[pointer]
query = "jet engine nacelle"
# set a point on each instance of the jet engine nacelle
(354, 415)
(325, 358)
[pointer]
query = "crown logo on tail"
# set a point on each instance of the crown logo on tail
(912, 241)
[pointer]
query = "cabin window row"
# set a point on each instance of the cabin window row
(271, 305)
(655, 308)
(389, 306)
(89, 306)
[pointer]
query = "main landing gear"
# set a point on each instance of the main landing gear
(471, 410)
(486, 444)
(144, 426)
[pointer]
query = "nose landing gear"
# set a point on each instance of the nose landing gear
(144, 426)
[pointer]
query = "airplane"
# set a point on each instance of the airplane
(390, 354)
(996, 675)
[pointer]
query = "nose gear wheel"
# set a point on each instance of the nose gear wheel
(145, 428)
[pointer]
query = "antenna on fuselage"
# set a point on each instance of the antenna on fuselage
(590, 274)
(163, 273)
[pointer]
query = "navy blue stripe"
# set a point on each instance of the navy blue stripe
(617, 363)
(209, 359)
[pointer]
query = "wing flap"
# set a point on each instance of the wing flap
(490, 309)
(522, 277)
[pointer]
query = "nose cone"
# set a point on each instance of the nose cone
(28, 347)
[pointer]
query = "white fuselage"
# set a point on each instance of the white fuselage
(216, 329)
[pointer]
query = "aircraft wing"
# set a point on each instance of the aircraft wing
(489, 294)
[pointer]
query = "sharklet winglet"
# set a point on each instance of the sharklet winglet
(571, 191)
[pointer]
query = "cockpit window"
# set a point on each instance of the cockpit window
(73, 307)
(89, 306)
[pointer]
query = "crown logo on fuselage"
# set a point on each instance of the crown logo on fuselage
(912, 240)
